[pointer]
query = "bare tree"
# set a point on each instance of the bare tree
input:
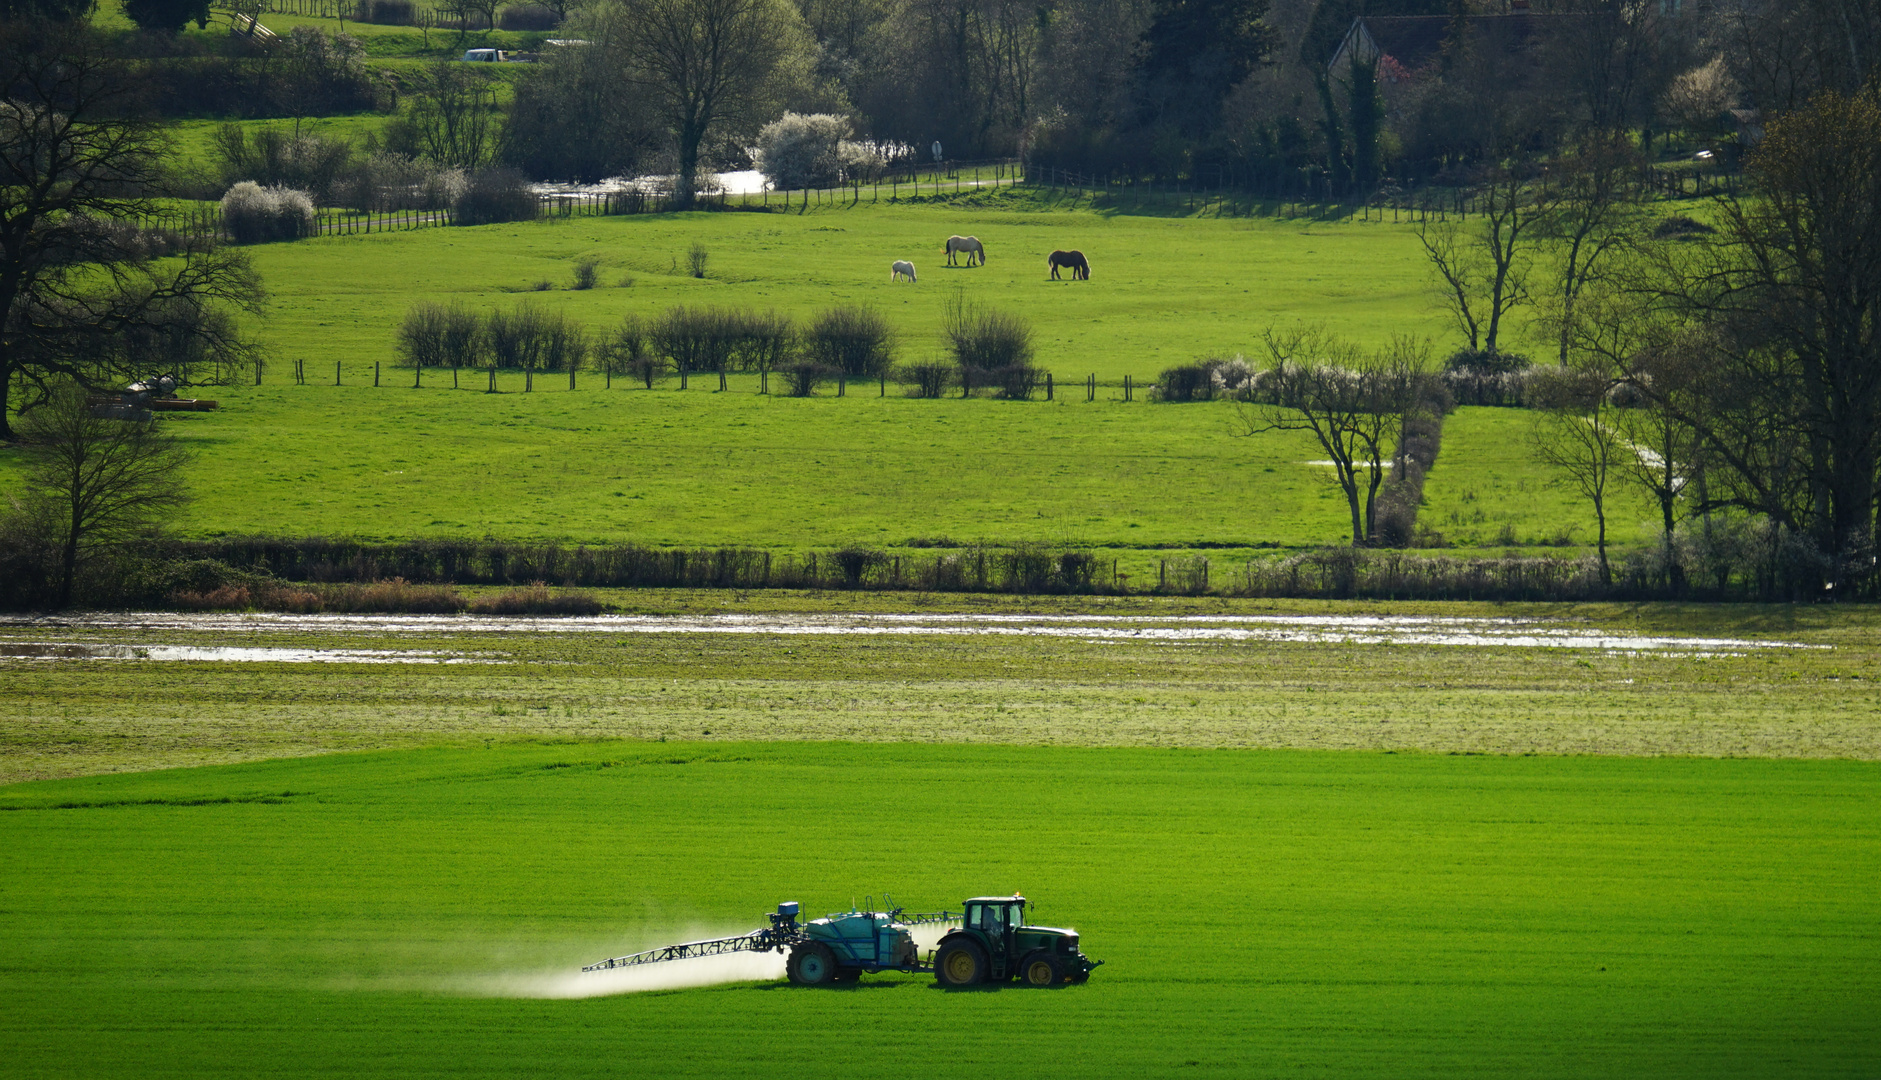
(1483, 269)
(100, 482)
(1576, 433)
(454, 117)
(1590, 219)
(82, 293)
(1352, 403)
(706, 62)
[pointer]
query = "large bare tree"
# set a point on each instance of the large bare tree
(82, 291)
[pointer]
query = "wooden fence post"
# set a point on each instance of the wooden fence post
(336, 373)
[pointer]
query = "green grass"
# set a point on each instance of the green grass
(67, 718)
(703, 468)
(1490, 490)
(1164, 290)
(1259, 913)
(665, 467)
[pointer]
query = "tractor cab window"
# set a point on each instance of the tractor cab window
(992, 917)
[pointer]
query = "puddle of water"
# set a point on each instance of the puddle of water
(1327, 629)
(59, 650)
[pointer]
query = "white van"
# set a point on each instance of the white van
(485, 56)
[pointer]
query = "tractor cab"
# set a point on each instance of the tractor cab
(993, 944)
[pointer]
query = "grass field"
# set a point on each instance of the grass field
(706, 468)
(1260, 913)
(1164, 290)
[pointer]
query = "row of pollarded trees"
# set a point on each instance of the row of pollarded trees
(990, 349)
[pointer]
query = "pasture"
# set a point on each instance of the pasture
(398, 913)
(1163, 290)
(699, 467)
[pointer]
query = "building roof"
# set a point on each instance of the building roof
(1416, 41)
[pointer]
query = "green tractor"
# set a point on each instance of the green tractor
(993, 944)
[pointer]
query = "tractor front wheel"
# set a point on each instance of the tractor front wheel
(1042, 969)
(811, 964)
(960, 963)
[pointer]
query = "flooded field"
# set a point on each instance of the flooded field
(124, 691)
(67, 650)
(1405, 630)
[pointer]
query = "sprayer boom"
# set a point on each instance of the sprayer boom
(757, 941)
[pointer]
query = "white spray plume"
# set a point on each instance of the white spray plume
(670, 975)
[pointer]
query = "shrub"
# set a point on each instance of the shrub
(586, 270)
(694, 339)
(516, 336)
(564, 343)
(802, 378)
(252, 214)
(460, 336)
(1187, 382)
(695, 259)
(272, 157)
(801, 150)
(1484, 362)
(855, 562)
(396, 595)
(495, 196)
(855, 341)
(1014, 382)
(927, 380)
(537, 599)
(529, 17)
(628, 351)
(421, 335)
(1680, 227)
(764, 340)
(990, 347)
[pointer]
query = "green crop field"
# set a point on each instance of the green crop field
(1260, 913)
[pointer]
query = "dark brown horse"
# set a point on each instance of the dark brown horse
(1074, 261)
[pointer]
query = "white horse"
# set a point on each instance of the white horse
(902, 268)
(969, 244)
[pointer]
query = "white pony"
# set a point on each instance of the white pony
(902, 268)
(969, 244)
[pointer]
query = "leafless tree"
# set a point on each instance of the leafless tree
(1483, 266)
(1352, 403)
(1576, 433)
(454, 116)
(101, 482)
(1592, 214)
(82, 294)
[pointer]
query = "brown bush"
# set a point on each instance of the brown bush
(537, 599)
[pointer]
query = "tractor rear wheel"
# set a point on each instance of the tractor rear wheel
(811, 964)
(960, 963)
(1042, 969)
